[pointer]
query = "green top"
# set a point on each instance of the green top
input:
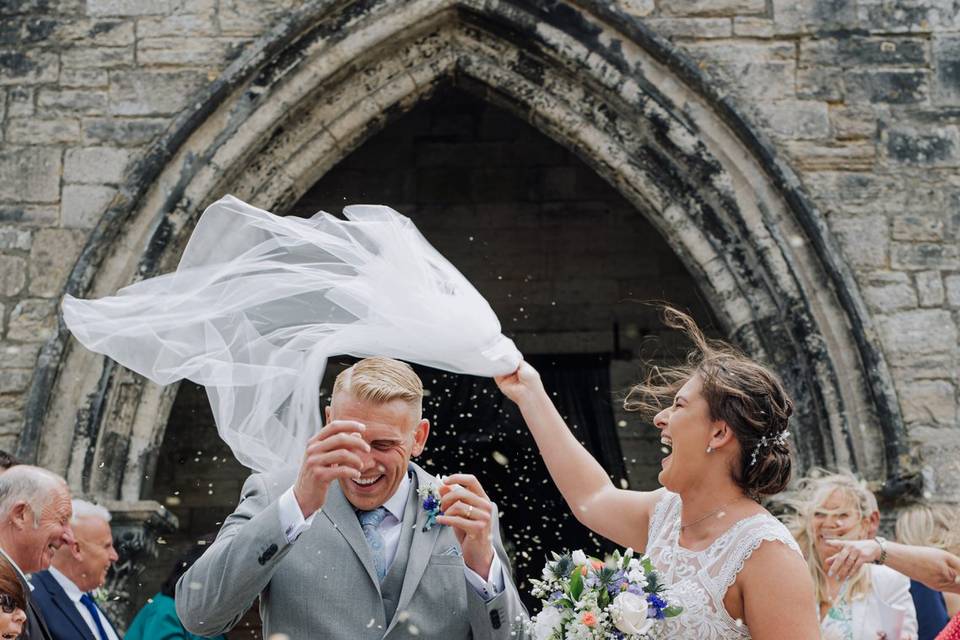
(158, 620)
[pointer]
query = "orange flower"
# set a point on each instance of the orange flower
(597, 565)
(583, 570)
(588, 619)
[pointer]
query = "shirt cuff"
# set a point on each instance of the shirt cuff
(292, 521)
(490, 587)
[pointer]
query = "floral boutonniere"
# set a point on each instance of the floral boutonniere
(430, 496)
(100, 596)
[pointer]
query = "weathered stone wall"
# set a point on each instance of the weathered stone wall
(861, 96)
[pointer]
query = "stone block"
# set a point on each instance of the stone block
(13, 275)
(122, 132)
(952, 286)
(930, 288)
(936, 146)
(791, 17)
(83, 205)
(930, 402)
(95, 165)
(11, 424)
(698, 28)
(891, 86)
(24, 67)
(853, 122)
(14, 380)
(84, 78)
(53, 255)
(246, 17)
(850, 155)
(20, 102)
(713, 7)
(747, 27)
(30, 174)
(33, 320)
(101, 33)
(15, 238)
(144, 93)
(80, 57)
(131, 7)
(820, 83)
(886, 291)
(636, 8)
(187, 51)
(946, 62)
(918, 226)
(72, 101)
(19, 356)
(178, 25)
(46, 131)
(925, 331)
(30, 215)
(908, 16)
(865, 239)
(796, 119)
(847, 51)
(924, 255)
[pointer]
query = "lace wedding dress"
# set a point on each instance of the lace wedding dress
(699, 579)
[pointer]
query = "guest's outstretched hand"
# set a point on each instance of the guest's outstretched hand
(521, 383)
(330, 455)
(467, 509)
(850, 556)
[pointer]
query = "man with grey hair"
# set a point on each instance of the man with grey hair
(35, 513)
(63, 593)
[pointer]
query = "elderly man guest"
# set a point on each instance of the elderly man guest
(63, 592)
(342, 547)
(35, 515)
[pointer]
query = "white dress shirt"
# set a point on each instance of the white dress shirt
(16, 568)
(73, 592)
(293, 524)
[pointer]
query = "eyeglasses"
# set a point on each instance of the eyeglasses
(7, 603)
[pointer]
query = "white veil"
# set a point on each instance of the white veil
(259, 302)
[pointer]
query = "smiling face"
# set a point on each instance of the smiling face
(395, 433)
(92, 553)
(51, 532)
(685, 430)
(837, 516)
(12, 619)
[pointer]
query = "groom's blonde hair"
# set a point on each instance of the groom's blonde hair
(381, 380)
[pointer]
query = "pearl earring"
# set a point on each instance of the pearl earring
(709, 449)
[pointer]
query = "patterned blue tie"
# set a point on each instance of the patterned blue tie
(370, 523)
(88, 602)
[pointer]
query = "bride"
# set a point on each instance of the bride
(734, 567)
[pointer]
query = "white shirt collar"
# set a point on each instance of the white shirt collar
(398, 501)
(17, 569)
(73, 591)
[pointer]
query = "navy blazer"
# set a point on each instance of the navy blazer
(59, 611)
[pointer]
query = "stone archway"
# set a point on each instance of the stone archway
(585, 74)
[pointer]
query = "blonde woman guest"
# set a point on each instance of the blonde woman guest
(926, 525)
(853, 606)
(737, 570)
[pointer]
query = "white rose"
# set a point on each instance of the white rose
(630, 613)
(545, 623)
(579, 558)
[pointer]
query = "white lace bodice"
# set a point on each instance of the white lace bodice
(699, 579)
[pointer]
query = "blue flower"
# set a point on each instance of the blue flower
(657, 605)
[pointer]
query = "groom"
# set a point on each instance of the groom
(339, 549)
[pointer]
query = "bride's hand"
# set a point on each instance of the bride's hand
(521, 383)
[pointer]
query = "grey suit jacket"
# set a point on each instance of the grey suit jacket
(324, 585)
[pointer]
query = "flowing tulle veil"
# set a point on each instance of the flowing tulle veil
(259, 303)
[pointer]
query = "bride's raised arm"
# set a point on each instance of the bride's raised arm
(620, 515)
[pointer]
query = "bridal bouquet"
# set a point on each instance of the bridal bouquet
(587, 599)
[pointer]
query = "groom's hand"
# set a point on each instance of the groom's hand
(467, 509)
(330, 455)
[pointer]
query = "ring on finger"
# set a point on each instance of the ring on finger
(469, 511)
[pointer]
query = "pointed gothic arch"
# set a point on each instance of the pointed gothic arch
(587, 75)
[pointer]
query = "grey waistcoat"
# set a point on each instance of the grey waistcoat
(393, 581)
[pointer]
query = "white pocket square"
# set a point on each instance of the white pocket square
(452, 550)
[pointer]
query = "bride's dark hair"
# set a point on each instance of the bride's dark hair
(746, 395)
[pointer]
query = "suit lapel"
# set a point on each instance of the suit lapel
(341, 514)
(63, 602)
(421, 548)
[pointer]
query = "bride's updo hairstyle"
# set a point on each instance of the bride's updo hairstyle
(746, 395)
